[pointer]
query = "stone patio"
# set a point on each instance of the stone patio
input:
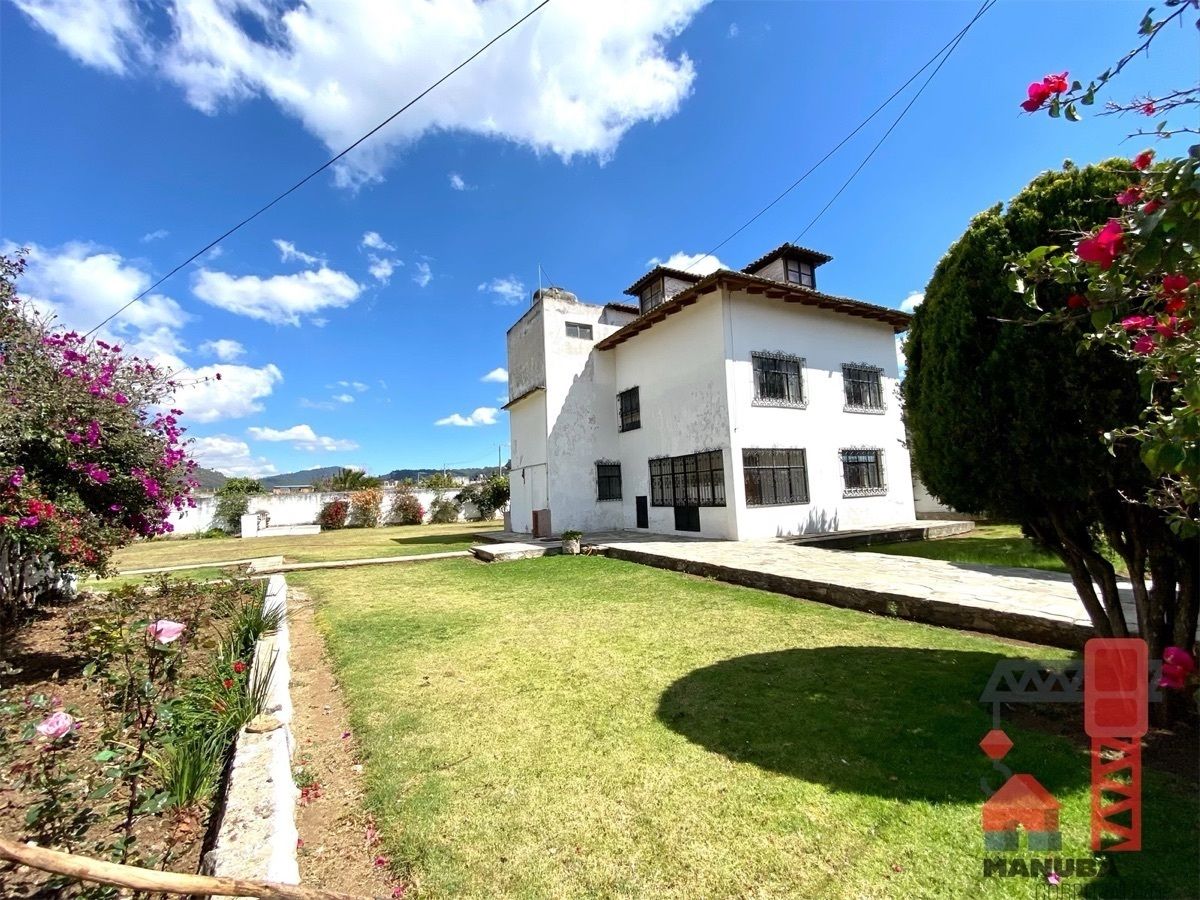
(1025, 604)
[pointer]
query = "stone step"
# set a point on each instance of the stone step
(507, 552)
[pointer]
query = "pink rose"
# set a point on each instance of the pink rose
(164, 630)
(55, 725)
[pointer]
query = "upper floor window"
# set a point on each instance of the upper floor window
(578, 330)
(864, 387)
(652, 295)
(775, 477)
(778, 379)
(629, 410)
(800, 272)
(608, 481)
(862, 473)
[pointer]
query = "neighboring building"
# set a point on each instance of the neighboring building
(736, 405)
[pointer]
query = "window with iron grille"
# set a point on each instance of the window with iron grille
(862, 472)
(697, 479)
(775, 477)
(629, 410)
(864, 388)
(800, 273)
(578, 330)
(778, 380)
(652, 295)
(608, 481)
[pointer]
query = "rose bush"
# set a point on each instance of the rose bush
(89, 458)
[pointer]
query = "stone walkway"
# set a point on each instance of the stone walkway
(1025, 604)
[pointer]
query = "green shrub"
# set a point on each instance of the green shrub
(444, 510)
(406, 509)
(233, 500)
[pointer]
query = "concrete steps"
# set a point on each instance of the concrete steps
(506, 552)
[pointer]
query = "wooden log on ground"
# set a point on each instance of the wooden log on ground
(84, 868)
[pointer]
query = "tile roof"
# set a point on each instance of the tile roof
(755, 284)
(658, 271)
(813, 256)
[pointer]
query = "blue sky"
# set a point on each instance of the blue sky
(370, 306)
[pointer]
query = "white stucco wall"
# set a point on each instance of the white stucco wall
(527, 480)
(825, 340)
(678, 366)
(294, 509)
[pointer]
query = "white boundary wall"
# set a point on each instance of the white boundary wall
(298, 509)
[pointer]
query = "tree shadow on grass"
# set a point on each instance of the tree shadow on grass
(439, 539)
(894, 722)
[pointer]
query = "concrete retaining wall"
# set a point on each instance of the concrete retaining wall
(257, 835)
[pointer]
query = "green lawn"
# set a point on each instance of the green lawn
(208, 573)
(583, 727)
(991, 545)
(346, 543)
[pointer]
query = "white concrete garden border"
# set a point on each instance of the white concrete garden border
(257, 835)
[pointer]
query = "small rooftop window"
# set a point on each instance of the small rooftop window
(800, 272)
(578, 330)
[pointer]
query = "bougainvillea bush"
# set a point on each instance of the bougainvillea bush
(365, 506)
(333, 515)
(89, 458)
(406, 508)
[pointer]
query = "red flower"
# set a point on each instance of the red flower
(1102, 247)
(1142, 161)
(1130, 195)
(1149, 109)
(1056, 83)
(1137, 323)
(1077, 301)
(1152, 207)
(239, 667)
(1174, 305)
(1169, 328)
(1175, 284)
(381, 862)
(1144, 344)
(227, 683)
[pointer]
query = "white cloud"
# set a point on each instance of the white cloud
(229, 456)
(344, 398)
(456, 182)
(423, 275)
(912, 301)
(570, 81)
(697, 263)
(236, 393)
(381, 268)
(484, 415)
(280, 299)
(225, 350)
(374, 241)
(357, 385)
(302, 437)
(155, 235)
(288, 251)
(318, 321)
(509, 291)
(498, 375)
(81, 284)
(733, 29)
(102, 33)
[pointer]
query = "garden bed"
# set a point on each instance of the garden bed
(118, 715)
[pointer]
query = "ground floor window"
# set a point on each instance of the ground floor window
(608, 481)
(697, 479)
(862, 472)
(775, 477)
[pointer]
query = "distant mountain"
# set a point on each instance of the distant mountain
(307, 476)
(411, 474)
(209, 480)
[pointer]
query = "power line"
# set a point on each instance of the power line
(866, 159)
(948, 45)
(322, 167)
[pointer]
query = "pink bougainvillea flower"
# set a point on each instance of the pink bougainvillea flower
(1149, 109)
(1177, 656)
(28, 522)
(399, 891)
(1175, 284)
(1173, 678)
(120, 398)
(1143, 345)
(1102, 247)
(164, 630)
(1057, 83)
(17, 476)
(1152, 207)
(1041, 91)
(1170, 328)
(1130, 195)
(1142, 161)
(1054, 878)
(239, 667)
(1137, 323)
(381, 862)
(55, 725)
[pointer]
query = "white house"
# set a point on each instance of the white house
(735, 405)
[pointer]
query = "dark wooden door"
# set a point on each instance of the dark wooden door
(643, 512)
(687, 518)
